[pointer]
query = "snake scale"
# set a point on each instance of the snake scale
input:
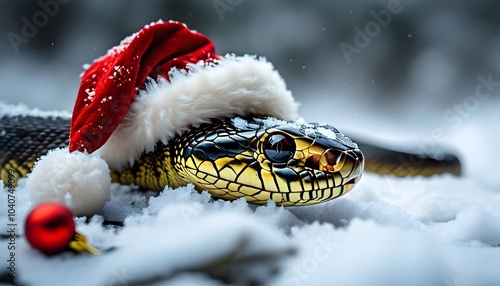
(258, 158)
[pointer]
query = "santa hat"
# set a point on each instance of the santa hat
(156, 83)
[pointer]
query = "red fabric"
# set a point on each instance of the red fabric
(110, 84)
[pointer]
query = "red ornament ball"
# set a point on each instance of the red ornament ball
(49, 228)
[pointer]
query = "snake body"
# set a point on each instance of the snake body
(258, 158)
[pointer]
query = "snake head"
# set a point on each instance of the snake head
(261, 159)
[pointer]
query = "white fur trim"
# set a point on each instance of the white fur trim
(78, 180)
(234, 86)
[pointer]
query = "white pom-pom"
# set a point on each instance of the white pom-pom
(79, 180)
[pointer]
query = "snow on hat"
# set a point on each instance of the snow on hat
(156, 83)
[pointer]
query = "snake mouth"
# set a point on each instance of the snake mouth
(357, 164)
(352, 181)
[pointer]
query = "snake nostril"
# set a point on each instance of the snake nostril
(313, 162)
(332, 160)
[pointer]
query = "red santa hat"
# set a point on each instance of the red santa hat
(156, 83)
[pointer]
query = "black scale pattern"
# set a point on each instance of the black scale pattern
(23, 139)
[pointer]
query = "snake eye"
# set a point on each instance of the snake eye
(279, 148)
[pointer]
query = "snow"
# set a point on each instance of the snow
(22, 109)
(443, 230)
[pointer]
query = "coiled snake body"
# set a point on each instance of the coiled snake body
(258, 158)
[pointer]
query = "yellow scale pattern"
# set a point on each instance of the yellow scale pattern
(152, 171)
(20, 171)
(230, 177)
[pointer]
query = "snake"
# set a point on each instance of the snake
(293, 163)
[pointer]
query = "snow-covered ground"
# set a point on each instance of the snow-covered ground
(442, 230)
